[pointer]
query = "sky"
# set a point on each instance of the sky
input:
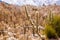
(32, 2)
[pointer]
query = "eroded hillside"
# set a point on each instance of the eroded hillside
(12, 17)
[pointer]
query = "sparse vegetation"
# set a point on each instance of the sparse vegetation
(53, 26)
(50, 32)
(19, 22)
(56, 24)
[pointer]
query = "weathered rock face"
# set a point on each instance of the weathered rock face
(13, 18)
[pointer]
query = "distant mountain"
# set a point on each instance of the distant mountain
(32, 2)
(13, 14)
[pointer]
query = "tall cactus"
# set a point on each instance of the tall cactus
(29, 20)
(33, 23)
(37, 18)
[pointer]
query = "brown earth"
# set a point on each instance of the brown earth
(14, 16)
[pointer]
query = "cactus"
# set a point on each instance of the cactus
(29, 20)
(33, 23)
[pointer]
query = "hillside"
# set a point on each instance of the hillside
(12, 17)
(14, 12)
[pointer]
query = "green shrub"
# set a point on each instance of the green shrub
(50, 32)
(56, 24)
(53, 20)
